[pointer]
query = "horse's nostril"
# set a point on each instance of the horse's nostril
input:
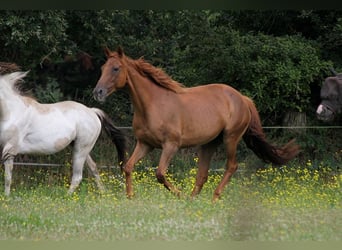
(98, 92)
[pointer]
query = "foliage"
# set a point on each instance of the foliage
(51, 93)
(27, 37)
(273, 56)
(91, 30)
(332, 44)
(275, 71)
(277, 57)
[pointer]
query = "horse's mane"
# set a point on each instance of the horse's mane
(16, 79)
(157, 75)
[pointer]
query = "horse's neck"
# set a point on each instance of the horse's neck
(10, 104)
(142, 91)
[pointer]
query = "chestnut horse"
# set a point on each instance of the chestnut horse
(170, 116)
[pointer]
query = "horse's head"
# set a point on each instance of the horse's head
(331, 95)
(113, 76)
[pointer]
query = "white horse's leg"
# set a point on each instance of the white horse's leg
(93, 169)
(84, 143)
(77, 170)
(8, 174)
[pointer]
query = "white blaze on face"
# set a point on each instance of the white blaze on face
(319, 109)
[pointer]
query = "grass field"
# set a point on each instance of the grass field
(290, 203)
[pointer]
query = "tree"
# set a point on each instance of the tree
(27, 37)
(275, 71)
(275, 57)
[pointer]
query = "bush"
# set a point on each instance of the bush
(51, 93)
(275, 71)
(27, 37)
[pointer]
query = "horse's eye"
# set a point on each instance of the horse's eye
(115, 69)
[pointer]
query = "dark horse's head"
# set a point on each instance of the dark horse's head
(331, 96)
(114, 75)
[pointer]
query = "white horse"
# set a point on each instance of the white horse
(27, 126)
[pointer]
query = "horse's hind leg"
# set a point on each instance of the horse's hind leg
(79, 158)
(8, 174)
(204, 156)
(231, 144)
(93, 169)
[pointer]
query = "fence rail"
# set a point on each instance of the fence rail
(303, 127)
(37, 164)
(280, 127)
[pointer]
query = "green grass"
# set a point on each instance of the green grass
(289, 204)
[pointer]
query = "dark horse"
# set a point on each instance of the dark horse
(170, 116)
(331, 96)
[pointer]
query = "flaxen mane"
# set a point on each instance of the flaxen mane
(16, 81)
(157, 75)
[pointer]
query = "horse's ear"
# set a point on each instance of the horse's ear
(120, 51)
(107, 51)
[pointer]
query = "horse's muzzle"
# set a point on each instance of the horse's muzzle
(324, 113)
(100, 94)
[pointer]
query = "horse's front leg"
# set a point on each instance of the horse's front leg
(8, 174)
(169, 150)
(140, 150)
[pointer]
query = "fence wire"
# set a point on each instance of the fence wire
(52, 165)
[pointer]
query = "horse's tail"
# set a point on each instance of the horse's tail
(255, 139)
(116, 135)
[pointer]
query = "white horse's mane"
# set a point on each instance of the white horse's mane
(15, 76)
(15, 79)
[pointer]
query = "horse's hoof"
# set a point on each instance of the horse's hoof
(130, 196)
(215, 198)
